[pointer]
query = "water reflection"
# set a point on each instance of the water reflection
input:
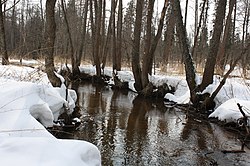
(132, 131)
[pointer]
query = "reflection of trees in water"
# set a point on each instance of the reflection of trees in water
(142, 133)
(136, 130)
(199, 133)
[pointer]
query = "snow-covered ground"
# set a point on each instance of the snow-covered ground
(28, 103)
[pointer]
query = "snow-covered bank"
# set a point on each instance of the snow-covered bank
(235, 89)
(30, 151)
(28, 103)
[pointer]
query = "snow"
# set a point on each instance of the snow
(28, 104)
(46, 151)
(229, 110)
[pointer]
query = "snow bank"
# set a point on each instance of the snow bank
(47, 152)
(44, 102)
(28, 102)
(233, 88)
(229, 110)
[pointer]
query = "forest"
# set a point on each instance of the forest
(137, 34)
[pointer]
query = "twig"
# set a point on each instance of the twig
(244, 118)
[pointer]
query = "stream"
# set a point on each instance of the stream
(132, 131)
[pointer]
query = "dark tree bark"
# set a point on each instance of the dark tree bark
(84, 27)
(13, 27)
(136, 46)
(169, 35)
(189, 66)
(186, 9)
(106, 45)
(157, 37)
(151, 44)
(198, 27)
(214, 45)
(3, 49)
(148, 40)
(95, 26)
(50, 35)
(103, 31)
(221, 57)
(114, 53)
(75, 68)
(119, 36)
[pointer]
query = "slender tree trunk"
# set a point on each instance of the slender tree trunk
(196, 17)
(119, 36)
(169, 35)
(136, 46)
(106, 45)
(75, 68)
(157, 37)
(186, 10)
(3, 49)
(245, 36)
(41, 9)
(151, 44)
(221, 57)
(214, 45)
(13, 26)
(50, 35)
(189, 66)
(114, 55)
(146, 55)
(96, 34)
(198, 28)
(84, 27)
(234, 21)
(103, 30)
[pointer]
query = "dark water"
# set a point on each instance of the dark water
(133, 131)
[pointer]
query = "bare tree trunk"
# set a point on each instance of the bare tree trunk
(114, 56)
(41, 8)
(146, 55)
(189, 66)
(196, 17)
(198, 28)
(245, 35)
(119, 36)
(75, 69)
(136, 46)
(157, 37)
(169, 35)
(13, 26)
(3, 49)
(234, 21)
(96, 34)
(186, 9)
(106, 46)
(103, 30)
(214, 45)
(50, 35)
(221, 57)
(84, 27)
